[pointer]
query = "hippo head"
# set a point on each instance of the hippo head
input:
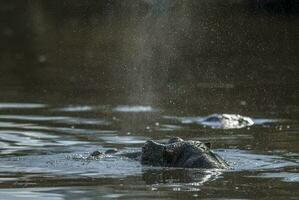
(152, 153)
(191, 154)
(180, 153)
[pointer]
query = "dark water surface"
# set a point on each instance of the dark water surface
(79, 76)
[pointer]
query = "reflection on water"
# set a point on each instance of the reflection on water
(222, 121)
(133, 109)
(76, 109)
(21, 105)
(285, 176)
(57, 119)
(31, 194)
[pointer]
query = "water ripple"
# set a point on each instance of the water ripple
(75, 109)
(241, 160)
(136, 109)
(83, 108)
(219, 124)
(21, 105)
(32, 134)
(57, 119)
(67, 130)
(285, 176)
(113, 139)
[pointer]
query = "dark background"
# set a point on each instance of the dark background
(200, 55)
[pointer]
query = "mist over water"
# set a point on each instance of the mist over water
(211, 55)
(81, 76)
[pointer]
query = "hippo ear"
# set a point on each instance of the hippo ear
(208, 144)
(174, 140)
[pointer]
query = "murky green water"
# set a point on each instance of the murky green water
(82, 76)
(44, 149)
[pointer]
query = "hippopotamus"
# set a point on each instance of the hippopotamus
(227, 121)
(175, 153)
(218, 121)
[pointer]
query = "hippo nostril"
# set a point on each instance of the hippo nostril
(111, 151)
(96, 153)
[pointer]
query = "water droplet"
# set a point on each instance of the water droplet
(42, 58)
(243, 103)
(176, 189)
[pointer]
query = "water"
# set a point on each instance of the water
(44, 152)
(76, 77)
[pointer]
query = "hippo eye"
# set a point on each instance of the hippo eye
(198, 145)
(143, 149)
(208, 144)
